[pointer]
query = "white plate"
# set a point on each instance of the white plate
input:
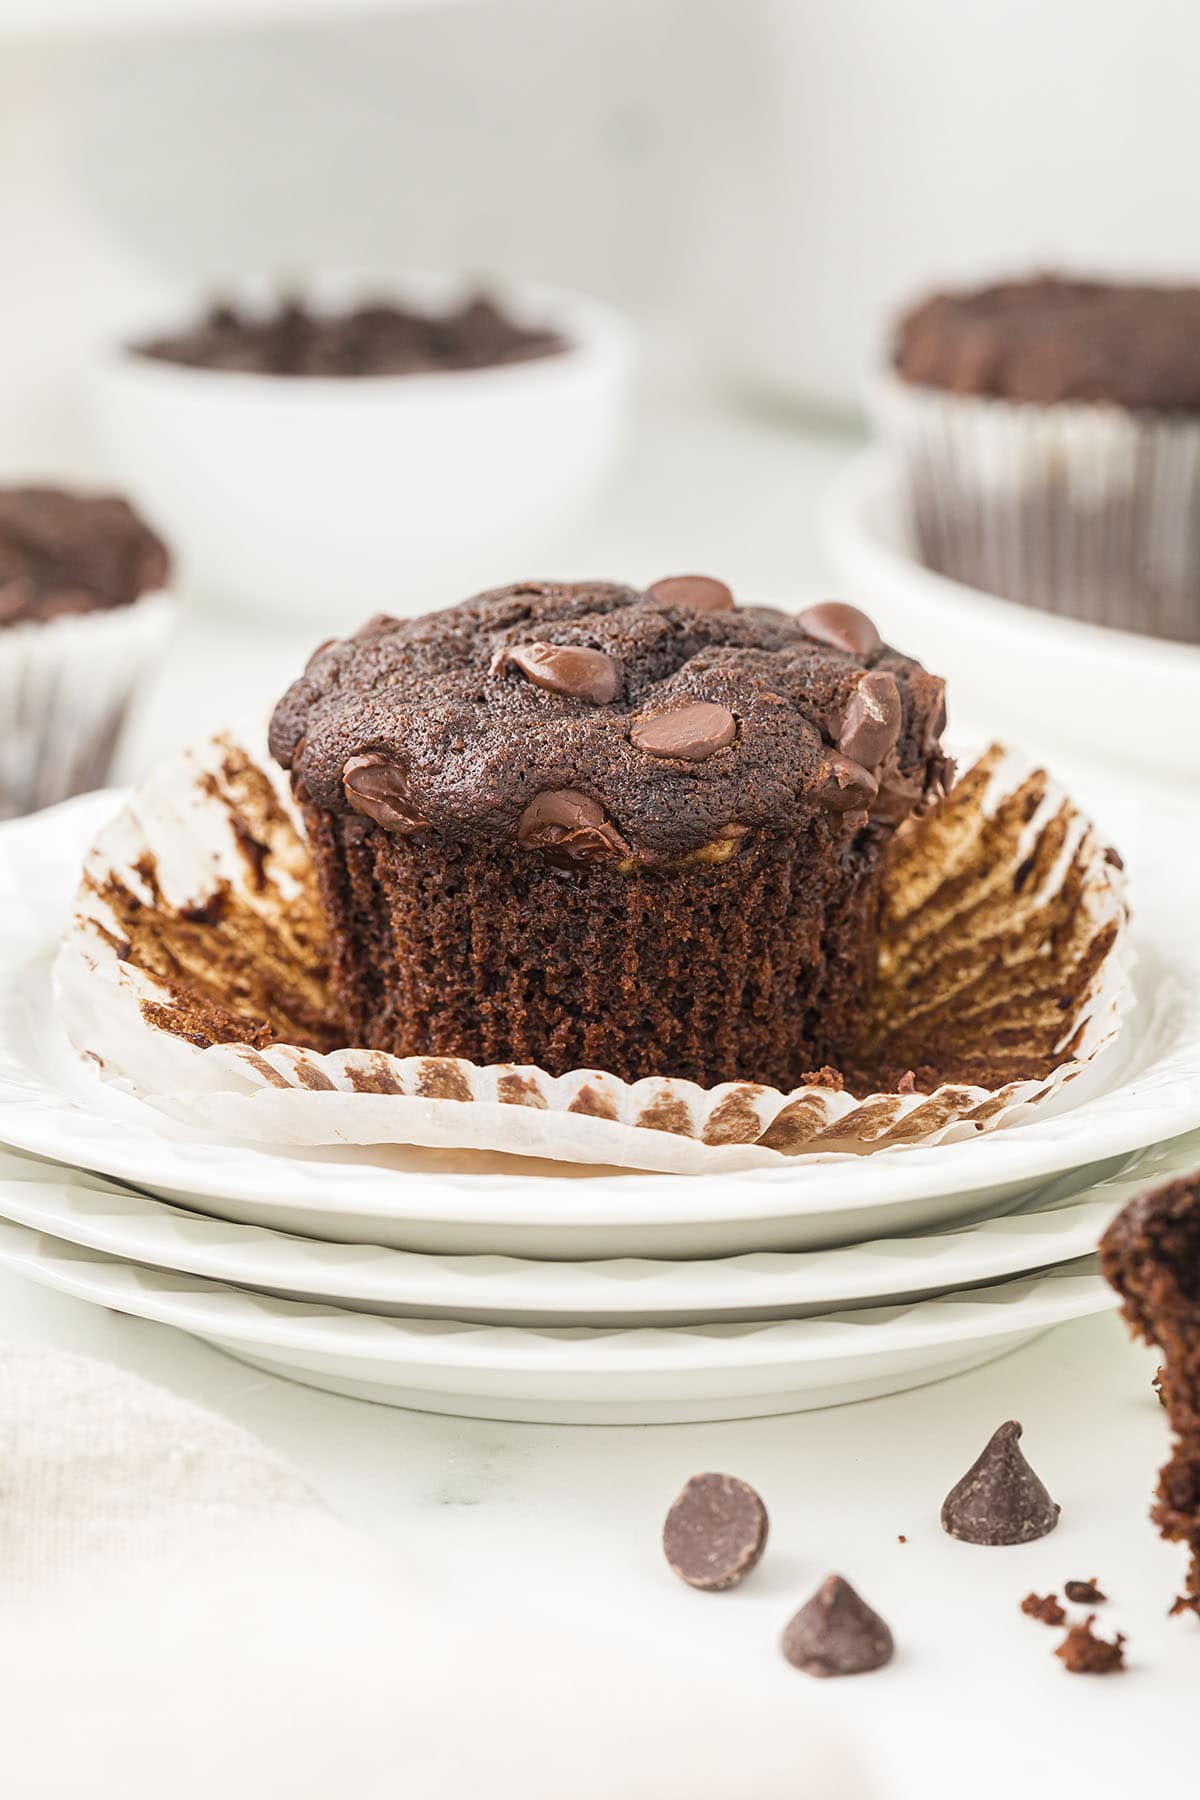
(575, 1375)
(1145, 1091)
(86, 1210)
(1010, 664)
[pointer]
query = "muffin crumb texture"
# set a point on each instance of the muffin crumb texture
(1151, 1255)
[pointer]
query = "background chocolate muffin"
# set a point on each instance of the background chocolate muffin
(1048, 431)
(582, 826)
(82, 615)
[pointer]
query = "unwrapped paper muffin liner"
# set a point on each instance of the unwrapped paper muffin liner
(66, 686)
(195, 974)
(1088, 510)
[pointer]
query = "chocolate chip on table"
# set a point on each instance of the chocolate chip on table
(1084, 1593)
(690, 733)
(845, 786)
(1083, 1653)
(377, 788)
(569, 669)
(837, 1633)
(715, 1532)
(1044, 1607)
(702, 593)
(873, 719)
(1000, 1500)
(570, 827)
(842, 627)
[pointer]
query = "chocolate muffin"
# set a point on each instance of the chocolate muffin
(63, 553)
(82, 615)
(1151, 1255)
(1048, 431)
(578, 825)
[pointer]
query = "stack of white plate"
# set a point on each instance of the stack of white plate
(517, 1290)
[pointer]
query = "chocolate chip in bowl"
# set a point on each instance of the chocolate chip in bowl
(402, 441)
(374, 337)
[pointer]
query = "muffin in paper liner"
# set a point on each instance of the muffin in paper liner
(195, 974)
(66, 687)
(1085, 509)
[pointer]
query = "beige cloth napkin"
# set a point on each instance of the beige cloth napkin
(180, 1616)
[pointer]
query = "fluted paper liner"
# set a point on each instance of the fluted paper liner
(1082, 509)
(195, 974)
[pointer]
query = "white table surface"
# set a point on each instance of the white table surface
(975, 1702)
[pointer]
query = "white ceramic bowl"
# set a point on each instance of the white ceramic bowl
(337, 497)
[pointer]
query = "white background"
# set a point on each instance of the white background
(735, 174)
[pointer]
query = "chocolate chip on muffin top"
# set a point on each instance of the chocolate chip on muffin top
(1051, 338)
(596, 721)
(66, 553)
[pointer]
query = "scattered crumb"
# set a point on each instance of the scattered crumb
(1084, 1593)
(1185, 1603)
(900, 1538)
(1082, 1653)
(1157, 1385)
(1044, 1607)
(907, 1083)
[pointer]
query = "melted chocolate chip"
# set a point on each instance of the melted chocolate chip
(837, 1633)
(569, 827)
(377, 788)
(703, 593)
(846, 786)
(873, 719)
(691, 733)
(842, 627)
(579, 673)
(715, 1532)
(1000, 1500)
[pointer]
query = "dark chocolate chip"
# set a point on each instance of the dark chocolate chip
(845, 786)
(702, 593)
(569, 827)
(579, 673)
(715, 1532)
(1084, 1593)
(1000, 1500)
(837, 1633)
(873, 718)
(691, 733)
(842, 627)
(377, 788)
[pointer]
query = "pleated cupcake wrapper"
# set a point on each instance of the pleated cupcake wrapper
(1089, 511)
(65, 689)
(198, 921)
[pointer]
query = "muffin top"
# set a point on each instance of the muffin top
(72, 553)
(1051, 339)
(595, 722)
